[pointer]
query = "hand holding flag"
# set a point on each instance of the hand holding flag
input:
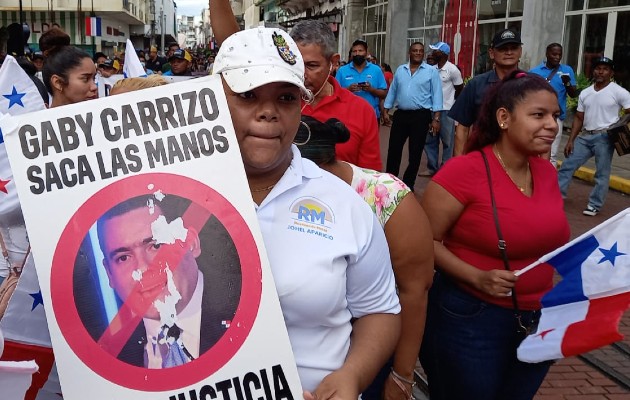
(582, 312)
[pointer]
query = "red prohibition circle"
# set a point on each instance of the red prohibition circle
(71, 325)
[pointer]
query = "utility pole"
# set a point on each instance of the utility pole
(162, 25)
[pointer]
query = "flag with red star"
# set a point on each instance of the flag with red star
(24, 323)
(582, 312)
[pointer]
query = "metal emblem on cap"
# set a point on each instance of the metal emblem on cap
(283, 49)
(507, 35)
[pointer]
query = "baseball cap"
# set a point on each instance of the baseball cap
(441, 46)
(504, 37)
(38, 54)
(181, 54)
(604, 60)
(361, 42)
(109, 63)
(255, 57)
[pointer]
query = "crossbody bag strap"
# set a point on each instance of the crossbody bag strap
(553, 72)
(501, 243)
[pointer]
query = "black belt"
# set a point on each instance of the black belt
(595, 132)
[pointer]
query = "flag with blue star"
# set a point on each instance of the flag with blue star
(24, 323)
(582, 312)
(18, 95)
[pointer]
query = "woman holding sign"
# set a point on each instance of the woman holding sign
(327, 252)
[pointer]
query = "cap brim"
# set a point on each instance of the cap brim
(241, 80)
(509, 41)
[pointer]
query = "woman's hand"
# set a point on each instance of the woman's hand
(496, 282)
(337, 385)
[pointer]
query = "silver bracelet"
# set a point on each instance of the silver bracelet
(402, 378)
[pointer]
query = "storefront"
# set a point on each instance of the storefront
(586, 28)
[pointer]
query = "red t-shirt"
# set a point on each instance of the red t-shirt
(363, 149)
(389, 77)
(531, 226)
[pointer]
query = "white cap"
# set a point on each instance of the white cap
(255, 57)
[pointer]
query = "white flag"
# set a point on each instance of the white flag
(24, 323)
(132, 68)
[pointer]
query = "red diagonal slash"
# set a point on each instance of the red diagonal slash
(125, 322)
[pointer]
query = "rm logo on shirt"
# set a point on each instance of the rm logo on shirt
(311, 210)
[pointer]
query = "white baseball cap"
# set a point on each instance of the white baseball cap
(255, 57)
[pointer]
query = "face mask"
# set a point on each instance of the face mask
(358, 60)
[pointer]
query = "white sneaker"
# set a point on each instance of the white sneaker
(590, 211)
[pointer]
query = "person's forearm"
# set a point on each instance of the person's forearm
(461, 137)
(576, 127)
(413, 316)
(222, 20)
(454, 267)
(373, 341)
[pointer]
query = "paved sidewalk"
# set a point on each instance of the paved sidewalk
(620, 174)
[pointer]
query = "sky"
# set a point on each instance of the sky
(191, 7)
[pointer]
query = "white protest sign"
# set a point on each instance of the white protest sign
(145, 193)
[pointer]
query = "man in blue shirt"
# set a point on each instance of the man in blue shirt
(505, 51)
(362, 77)
(416, 90)
(562, 78)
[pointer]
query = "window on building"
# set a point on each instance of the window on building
(621, 53)
(375, 26)
(607, 3)
(493, 16)
(575, 5)
(598, 31)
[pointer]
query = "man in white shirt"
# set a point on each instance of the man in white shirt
(452, 85)
(598, 108)
(150, 255)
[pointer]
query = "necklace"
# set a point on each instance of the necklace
(523, 188)
(265, 189)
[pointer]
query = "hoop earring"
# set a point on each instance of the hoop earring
(308, 128)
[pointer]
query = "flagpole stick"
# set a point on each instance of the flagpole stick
(528, 268)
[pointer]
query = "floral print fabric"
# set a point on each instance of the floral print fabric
(382, 191)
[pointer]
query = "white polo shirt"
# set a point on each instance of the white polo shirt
(330, 263)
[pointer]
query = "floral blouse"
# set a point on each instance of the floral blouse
(382, 191)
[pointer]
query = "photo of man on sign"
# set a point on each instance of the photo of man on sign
(180, 301)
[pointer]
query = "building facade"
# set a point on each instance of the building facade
(586, 28)
(138, 20)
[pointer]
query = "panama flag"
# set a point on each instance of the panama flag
(132, 68)
(582, 312)
(24, 323)
(92, 26)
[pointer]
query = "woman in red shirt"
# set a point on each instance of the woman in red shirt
(479, 311)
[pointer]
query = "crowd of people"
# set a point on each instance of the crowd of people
(403, 280)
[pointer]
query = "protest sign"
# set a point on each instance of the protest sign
(151, 264)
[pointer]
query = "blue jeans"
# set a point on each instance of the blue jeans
(585, 147)
(432, 147)
(469, 348)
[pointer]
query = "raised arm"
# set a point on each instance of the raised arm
(222, 20)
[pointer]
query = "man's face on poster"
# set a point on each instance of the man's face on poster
(133, 259)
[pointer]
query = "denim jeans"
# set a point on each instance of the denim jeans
(585, 147)
(469, 348)
(432, 146)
